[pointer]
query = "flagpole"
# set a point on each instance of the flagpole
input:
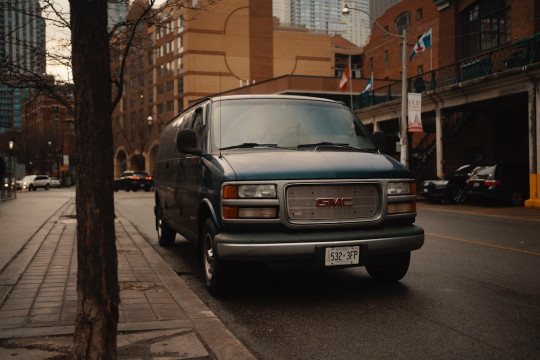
(350, 80)
(431, 51)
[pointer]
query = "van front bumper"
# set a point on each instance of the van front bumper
(261, 246)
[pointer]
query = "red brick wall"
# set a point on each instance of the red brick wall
(378, 43)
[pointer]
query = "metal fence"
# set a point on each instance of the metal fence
(522, 52)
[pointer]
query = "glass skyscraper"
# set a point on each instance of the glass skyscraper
(325, 16)
(22, 51)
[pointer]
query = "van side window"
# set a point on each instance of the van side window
(198, 127)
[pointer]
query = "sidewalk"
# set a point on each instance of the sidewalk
(159, 316)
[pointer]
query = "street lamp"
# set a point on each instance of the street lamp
(11, 172)
(403, 123)
(150, 119)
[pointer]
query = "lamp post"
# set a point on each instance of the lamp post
(403, 123)
(11, 182)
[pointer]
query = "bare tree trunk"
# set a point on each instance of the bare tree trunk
(97, 279)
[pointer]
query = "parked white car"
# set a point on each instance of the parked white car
(33, 182)
(55, 182)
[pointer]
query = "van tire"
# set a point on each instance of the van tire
(166, 236)
(393, 271)
(213, 268)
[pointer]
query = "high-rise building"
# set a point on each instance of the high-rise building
(318, 15)
(325, 16)
(22, 50)
(116, 13)
(357, 24)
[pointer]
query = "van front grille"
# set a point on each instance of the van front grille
(347, 202)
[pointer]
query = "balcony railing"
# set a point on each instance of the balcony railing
(523, 52)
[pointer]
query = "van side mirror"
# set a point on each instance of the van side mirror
(186, 142)
(380, 140)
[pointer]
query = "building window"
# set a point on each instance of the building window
(420, 69)
(150, 58)
(485, 25)
(160, 109)
(170, 106)
(370, 64)
(419, 14)
(160, 89)
(385, 57)
(180, 24)
(150, 77)
(180, 65)
(170, 86)
(160, 70)
(180, 85)
(179, 44)
(180, 105)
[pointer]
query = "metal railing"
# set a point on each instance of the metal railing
(522, 52)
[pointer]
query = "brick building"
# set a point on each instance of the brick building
(47, 143)
(480, 102)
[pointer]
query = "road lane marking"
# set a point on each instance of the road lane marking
(484, 244)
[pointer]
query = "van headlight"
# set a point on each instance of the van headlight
(250, 201)
(401, 197)
(399, 188)
(262, 191)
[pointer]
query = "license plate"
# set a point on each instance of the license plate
(343, 255)
(476, 184)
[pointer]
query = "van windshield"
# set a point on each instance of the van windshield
(288, 123)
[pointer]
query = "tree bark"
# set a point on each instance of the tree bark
(97, 276)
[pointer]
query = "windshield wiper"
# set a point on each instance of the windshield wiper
(331, 144)
(248, 145)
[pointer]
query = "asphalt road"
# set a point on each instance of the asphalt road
(472, 292)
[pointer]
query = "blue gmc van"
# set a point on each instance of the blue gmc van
(284, 180)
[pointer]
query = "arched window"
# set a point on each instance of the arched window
(402, 21)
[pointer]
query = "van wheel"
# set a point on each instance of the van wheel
(213, 268)
(392, 271)
(166, 235)
(47, 187)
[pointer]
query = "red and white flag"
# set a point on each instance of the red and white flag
(345, 79)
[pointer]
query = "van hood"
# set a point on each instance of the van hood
(269, 164)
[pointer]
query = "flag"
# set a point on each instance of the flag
(369, 86)
(423, 43)
(345, 79)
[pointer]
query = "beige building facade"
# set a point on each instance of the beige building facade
(191, 53)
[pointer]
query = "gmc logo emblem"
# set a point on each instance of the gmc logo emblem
(331, 202)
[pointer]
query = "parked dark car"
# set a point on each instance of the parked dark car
(505, 182)
(286, 180)
(450, 187)
(133, 180)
